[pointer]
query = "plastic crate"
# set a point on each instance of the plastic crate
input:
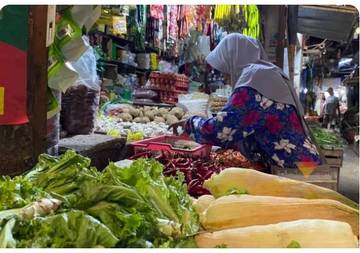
(322, 176)
(165, 143)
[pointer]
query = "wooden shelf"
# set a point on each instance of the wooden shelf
(126, 43)
(127, 67)
(154, 104)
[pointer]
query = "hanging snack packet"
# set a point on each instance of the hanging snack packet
(85, 16)
(61, 75)
(68, 38)
(119, 25)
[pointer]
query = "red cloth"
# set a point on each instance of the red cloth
(13, 85)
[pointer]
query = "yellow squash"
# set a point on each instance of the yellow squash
(202, 203)
(301, 233)
(246, 210)
(257, 183)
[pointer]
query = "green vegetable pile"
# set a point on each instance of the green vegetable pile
(63, 202)
(327, 138)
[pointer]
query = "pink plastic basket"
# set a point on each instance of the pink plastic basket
(164, 143)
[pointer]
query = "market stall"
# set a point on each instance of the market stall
(116, 176)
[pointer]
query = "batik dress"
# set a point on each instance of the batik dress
(262, 129)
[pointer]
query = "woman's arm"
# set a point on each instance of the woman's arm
(239, 118)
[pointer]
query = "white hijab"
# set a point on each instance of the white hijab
(245, 60)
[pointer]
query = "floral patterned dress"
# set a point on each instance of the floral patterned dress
(262, 129)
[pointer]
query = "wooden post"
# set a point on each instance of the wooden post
(37, 77)
(291, 58)
(20, 145)
(281, 37)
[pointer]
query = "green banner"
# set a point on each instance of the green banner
(14, 26)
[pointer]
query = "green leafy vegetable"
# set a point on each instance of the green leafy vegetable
(167, 195)
(125, 207)
(6, 238)
(61, 175)
(327, 138)
(70, 229)
(18, 192)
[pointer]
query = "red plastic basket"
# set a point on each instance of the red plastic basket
(164, 143)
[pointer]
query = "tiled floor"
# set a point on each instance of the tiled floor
(349, 175)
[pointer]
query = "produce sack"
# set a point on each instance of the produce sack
(81, 101)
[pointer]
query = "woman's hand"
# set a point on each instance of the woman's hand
(175, 126)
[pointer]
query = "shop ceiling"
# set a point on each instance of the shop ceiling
(335, 23)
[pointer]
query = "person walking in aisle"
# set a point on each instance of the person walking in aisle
(332, 110)
(263, 118)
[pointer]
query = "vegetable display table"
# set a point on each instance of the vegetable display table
(100, 148)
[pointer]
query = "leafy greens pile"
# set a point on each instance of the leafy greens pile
(327, 138)
(118, 207)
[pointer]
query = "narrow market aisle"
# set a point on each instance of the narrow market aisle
(349, 175)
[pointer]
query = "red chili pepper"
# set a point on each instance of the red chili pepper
(208, 175)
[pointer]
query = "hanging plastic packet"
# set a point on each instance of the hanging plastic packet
(154, 62)
(68, 38)
(85, 15)
(119, 25)
(53, 106)
(61, 75)
(73, 50)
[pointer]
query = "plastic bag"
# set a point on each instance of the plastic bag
(194, 103)
(53, 106)
(81, 101)
(204, 45)
(53, 123)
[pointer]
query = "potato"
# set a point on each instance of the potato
(171, 119)
(124, 116)
(147, 108)
(150, 115)
(157, 112)
(137, 120)
(159, 119)
(134, 112)
(163, 111)
(145, 119)
(178, 112)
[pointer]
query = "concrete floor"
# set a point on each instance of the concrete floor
(349, 175)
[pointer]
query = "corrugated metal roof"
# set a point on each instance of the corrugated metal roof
(328, 22)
